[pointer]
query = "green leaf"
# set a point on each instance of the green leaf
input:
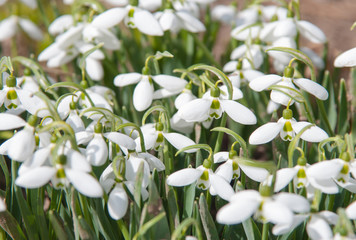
(343, 108)
(149, 224)
(183, 227)
(330, 103)
(207, 220)
(58, 226)
(237, 137)
(196, 146)
(11, 226)
(159, 55)
(85, 230)
(269, 165)
(298, 55)
(189, 196)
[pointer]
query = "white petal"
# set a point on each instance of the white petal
(221, 186)
(8, 28)
(265, 133)
(84, 183)
(146, 23)
(31, 29)
(83, 137)
(241, 212)
(351, 210)
(109, 18)
(225, 171)
(60, 24)
(94, 69)
(108, 38)
(36, 177)
(276, 213)
(163, 93)
(179, 141)
(312, 87)
(311, 32)
(195, 111)
(180, 125)
(255, 173)
(221, 157)
(285, 28)
(238, 52)
(325, 185)
(230, 66)
(169, 21)
(9, 121)
(71, 36)
(127, 79)
(153, 161)
(118, 203)
(183, 177)
(76, 161)
(132, 167)
(75, 121)
(325, 169)
(318, 228)
(313, 134)
(190, 23)
(238, 112)
(22, 145)
(295, 202)
(38, 159)
(170, 83)
(261, 83)
(346, 59)
(50, 52)
(97, 151)
(280, 229)
(143, 94)
(121, 140)
(283, 177)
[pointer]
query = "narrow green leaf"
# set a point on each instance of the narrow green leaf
(100, 219)
(183, 227)
(237, 137)
(343, 108)
(298, 55)
(208, 222)
(85, 231)
(189, 196)
(330, 103)
(11, 226)
(149, 224)
(58, 226)
(138, 185)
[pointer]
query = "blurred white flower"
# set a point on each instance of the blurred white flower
(10, 26)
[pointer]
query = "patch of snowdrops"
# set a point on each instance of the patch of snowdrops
(121, 124)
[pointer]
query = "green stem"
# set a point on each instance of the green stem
(206, 51)
(265, 231)
(325, 117)
(123, 229)
(220, 134)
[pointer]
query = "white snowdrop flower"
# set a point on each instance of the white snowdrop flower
(150, 5)
(10, 25)
(93, 64)
(287, 127)
(231, 168)
(281, 59)
(143, 93)
(251, 55)
(118, 200)
(154, 136)
(264, 82)
(69, 167)
(277, 209)
(188, 6)
(351, 210)
(224, 13)
(174, 21)
(119, 3)
(21, 146)
(180, 125)
(272, 11)
(97, 149)
(134, 17)
(302, 177)
(204, 178)
(248, 16)
(61, 24)
(245, 32)
(10, 121)
(28, 82)
(318, 226)
(346, 59)
(289, 27)
(338, 169)
(213, 104)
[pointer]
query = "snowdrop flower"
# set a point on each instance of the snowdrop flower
(281, 59)
(251, 54)
(68, 167)
(97, 149)
(346, 59)
(21, 146)
(154, 135)
(231, 168)
(93, 64)
(287, 127)
(61, 24)
(118, 200)
(143, 93)
(134, 17)
(10, 26)
(204, 178)
(174, 21)
(262, 83)
(277, 209)
(303, 177)
(338, 169)
(224, 13)
(246, 32)
(289, 27)
(180, 125)
(213, 104)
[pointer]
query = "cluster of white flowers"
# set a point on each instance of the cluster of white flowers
(84, 138)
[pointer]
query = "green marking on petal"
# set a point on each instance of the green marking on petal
(301, 173)
(205, 175)
(287, 127)
(215, 104)
(60, 173)
(345, 169)
(11, 94)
